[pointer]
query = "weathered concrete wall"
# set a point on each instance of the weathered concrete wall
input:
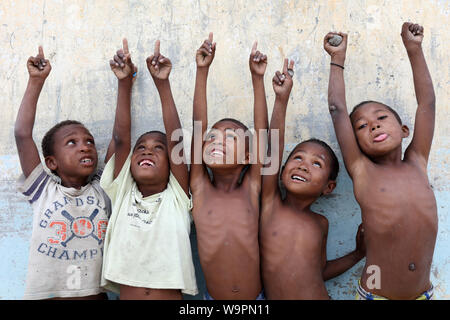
(80, 37)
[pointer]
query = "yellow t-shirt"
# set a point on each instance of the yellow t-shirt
(147, 240)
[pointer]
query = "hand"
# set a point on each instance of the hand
(158, 65)
(412, 35)
(121, 65)
(282, 82)
(257, 61)
(205, 54)
(360, 244)
(39, 67)
(337, 53)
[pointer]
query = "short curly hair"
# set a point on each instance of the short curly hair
(334, 169)
(48, 141)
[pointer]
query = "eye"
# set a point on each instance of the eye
(140, 147)
(90, 141)
(70, 142)
(298, 158)
(210, 137)
(362, 126)
(317, 164)
(160, 147)
(382, 117)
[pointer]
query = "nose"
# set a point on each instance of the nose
(377, 126)
(304, 168)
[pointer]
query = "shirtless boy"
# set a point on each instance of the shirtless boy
(293, 237)
(398, 206)
(226, 211)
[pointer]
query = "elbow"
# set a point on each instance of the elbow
(21, 133)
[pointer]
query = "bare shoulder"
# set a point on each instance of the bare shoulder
(323, 222)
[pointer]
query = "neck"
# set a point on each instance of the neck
(148, 189)
(299, 203)
(74, 182)
(392, 158)
(226, 180)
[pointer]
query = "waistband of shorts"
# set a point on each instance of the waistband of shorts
(261, 296)
(427, 295)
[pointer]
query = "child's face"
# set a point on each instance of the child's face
(75, 155)
(307, 171)
(150, 159)
(377, 130)
(225, 146)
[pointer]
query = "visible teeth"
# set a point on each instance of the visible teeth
(86, 160)
(217, 152)
(146, 163)
(299, 178)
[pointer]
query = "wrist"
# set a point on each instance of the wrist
(338, 59)
(35, 81)
(415, 49)
(126, 83)
(257, 76)
(282, 98)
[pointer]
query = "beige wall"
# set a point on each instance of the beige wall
(79, 38)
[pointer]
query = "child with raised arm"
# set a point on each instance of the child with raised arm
(293, 237)
(70, 210)
(147, 247)
(398, 206)
(226, 209)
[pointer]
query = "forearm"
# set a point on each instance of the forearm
(423, 84)
(278, 122)
(336, 87)
(170, 115)
(122, 122)
(338, 266)
(260, 118)
(200, 102)
(27, 111)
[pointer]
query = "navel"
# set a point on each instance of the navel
(235, 289)
(210, 211)
(412, 266)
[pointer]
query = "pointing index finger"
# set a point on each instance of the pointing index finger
(41, 51)
(210, 37)
(255, 45)
(157, 46)
(125, 46)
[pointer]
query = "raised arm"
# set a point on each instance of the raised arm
(159, 68)
(38, 70)
(282, 85)
(337, 104)
(334, 268)
(258, 64)
(204, 57)
(412, 36)
(125, 71)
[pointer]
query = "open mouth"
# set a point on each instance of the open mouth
(146, 163)
(87, 161)
(217, 153)
(298, 178)
(380, 137)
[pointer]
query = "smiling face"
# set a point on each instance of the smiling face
(377, 129)
(150, 159)
(74, 156)
(307, 171)
(225, 146)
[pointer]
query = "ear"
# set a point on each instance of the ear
(331, 184)
(51, 163)
(405, 131)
